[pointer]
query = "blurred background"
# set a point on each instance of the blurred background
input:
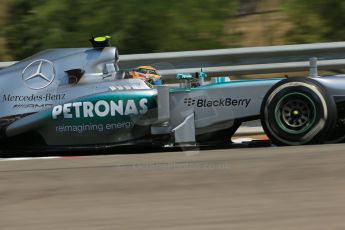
(138, 26)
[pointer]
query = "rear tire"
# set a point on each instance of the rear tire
(298, 111)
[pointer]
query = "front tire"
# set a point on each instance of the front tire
(298, 111)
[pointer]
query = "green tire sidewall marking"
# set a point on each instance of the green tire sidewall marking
(309, 124)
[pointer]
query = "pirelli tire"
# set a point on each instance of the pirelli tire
(298, 111)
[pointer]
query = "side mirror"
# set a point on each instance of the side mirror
(184, 76)
(201, 75)
(187, 78)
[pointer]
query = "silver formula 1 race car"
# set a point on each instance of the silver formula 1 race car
(80, 97)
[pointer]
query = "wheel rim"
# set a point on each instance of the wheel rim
(295, 113)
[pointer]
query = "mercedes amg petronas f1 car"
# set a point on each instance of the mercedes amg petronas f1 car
(80, 97)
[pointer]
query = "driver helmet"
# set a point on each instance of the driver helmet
(147, 73)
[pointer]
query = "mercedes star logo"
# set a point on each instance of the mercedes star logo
(39, 74)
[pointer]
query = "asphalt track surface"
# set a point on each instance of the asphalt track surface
(254, 188)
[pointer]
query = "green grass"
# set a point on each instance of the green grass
(3, 54)
(251, 30)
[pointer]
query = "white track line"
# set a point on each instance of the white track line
(28, 158)
(240, 140)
